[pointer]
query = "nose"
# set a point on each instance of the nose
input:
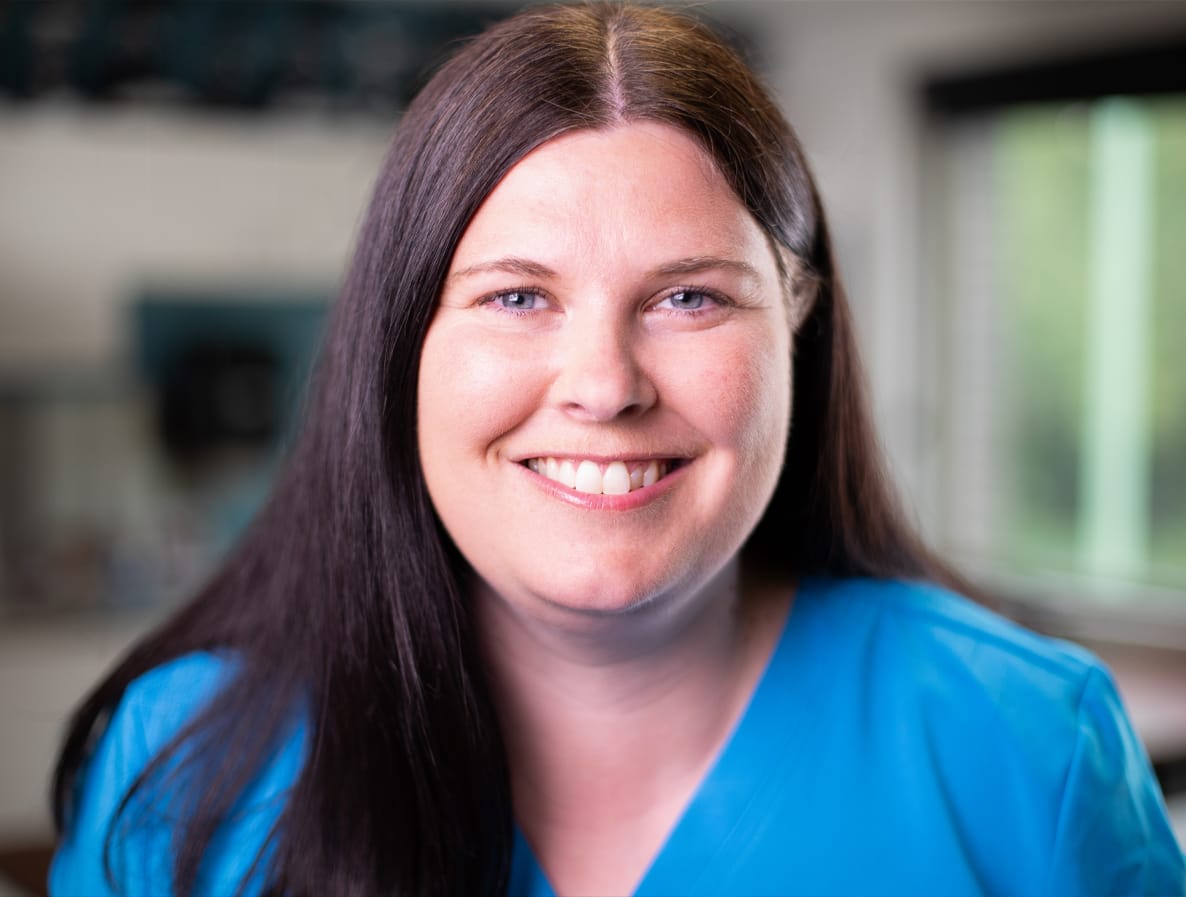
(601, 375)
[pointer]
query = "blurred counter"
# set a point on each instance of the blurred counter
(46, 663)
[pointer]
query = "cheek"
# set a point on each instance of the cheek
(470, 390)
(745, 399)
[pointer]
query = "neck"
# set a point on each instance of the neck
(615, 715)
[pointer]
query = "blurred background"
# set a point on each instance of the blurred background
(181, 180)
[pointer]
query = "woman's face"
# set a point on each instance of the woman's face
(605, 389)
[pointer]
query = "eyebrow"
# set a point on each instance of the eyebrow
(698, 263)
(527, 268)
(509, 265)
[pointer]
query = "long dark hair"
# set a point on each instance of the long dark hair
(345, 605)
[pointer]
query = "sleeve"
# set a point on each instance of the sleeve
(139, 854)
(138, 843)
(1113, 835)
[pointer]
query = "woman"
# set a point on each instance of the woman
(558, 592)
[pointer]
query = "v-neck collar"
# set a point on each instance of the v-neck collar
(713, 819)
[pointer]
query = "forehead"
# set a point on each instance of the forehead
(648, 147)
(621, 190)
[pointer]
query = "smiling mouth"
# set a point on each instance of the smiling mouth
(612, 478)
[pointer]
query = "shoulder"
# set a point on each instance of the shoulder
(927, 610)
(961, 670)
(927, 630)
(164, 699)
(1010, 730)
(136, 840)
(198, 674)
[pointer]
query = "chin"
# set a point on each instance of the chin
(609, 591)
(604, 603)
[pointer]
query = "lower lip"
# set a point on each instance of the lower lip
(595, 502)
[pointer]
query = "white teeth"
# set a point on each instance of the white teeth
(568, 474)
(588, 478)
(618, 478)
(650, 476)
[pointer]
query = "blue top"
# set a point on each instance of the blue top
(901, 741)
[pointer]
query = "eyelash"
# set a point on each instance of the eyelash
(713, 296)
(493, 298)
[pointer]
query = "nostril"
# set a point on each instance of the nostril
(601, 370)
(607, 395)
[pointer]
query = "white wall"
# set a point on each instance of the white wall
(97, 201)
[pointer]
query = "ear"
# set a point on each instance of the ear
(800, 286)
(801, 298)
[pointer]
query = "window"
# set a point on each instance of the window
(1058, 226)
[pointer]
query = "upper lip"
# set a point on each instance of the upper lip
(600, 458)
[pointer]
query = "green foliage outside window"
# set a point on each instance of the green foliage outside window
(1048, 165)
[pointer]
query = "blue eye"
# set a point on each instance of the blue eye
(692, 304)
(687, 300)
(517, 300)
